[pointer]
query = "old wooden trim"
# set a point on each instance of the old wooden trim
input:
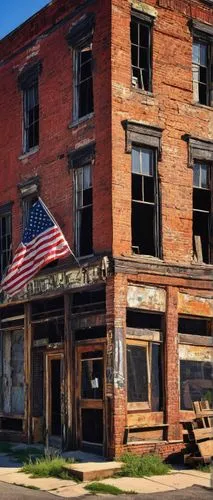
(195, 339)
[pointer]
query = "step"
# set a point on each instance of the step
(93, 470)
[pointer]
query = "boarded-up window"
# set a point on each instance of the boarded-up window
(12, 372)
(196, 382)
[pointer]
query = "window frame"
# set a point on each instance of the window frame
(210, 212)
(26, 112)
(77, 82)
(28, 79)
(147, 21)
(29, 191)
(5, 211)
(145, 405)
(79, 210)
(203, 33)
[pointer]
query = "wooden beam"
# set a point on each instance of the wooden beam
(27, 370)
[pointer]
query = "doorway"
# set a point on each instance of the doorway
(55, 389)
(90, 398)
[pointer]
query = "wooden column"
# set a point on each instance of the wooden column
(68, 373)
(27, 370)
(172, 365)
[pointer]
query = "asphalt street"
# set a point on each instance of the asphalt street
(12, 492)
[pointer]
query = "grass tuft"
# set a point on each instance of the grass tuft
(47, 467)
(140, 466)
(204, 468)
(105, 488)
(26, 454)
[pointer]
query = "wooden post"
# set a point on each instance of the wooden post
(68, 373)
(27, 369)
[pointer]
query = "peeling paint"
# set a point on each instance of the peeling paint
(194, 305)
(146, 297)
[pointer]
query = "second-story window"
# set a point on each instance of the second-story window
(83, 188)
(83, 81)
(28, 83)
(145, 210)
(31, 117)
(202, 60)
(141, 32)
(202, 212)
(5, 238)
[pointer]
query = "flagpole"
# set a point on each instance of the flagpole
(55, 222)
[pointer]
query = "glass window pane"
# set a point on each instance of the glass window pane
(79, 179)
(134, 32)
(196, 175)
(203, 54)
(204, 176)
(137, 376)
(196, 52)
(147, 162)
(134, 55)
(136, 162)
(87, 177)
(144, 35)
(92, 378)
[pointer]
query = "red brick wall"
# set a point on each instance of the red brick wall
(170, 107)
(55, 97)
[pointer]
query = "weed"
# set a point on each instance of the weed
(105, 488)
(140, 466)
(204, 468)
(26, 454)
(47, 467)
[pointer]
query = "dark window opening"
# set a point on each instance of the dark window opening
(201, 70)
(92, 425)
(137, 374)
(145, 210)
(48, 308)
(141, 54)
(37, 382)
(194, 326)
(196, 382)
(84, 218)
(31, 117)
(83, 82)
(89, 301)
(148, 320)
(202, 212)
(52, 330)
(143, 360)
(11, 424)
(5, 242)
(56, 397)
(91, 333)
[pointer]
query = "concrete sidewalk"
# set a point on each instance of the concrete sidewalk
(175, 480)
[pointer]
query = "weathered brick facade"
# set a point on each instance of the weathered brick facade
(170, 285)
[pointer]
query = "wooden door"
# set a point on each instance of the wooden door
(54, 395)
(90, 397)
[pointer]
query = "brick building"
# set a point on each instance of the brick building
(106, 112)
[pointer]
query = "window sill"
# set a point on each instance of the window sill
(202, 106)
(85, 257)
(83, 119)
(203, 264)
(29, 153)
(147, 257)
(147, 93)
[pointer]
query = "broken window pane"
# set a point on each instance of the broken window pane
(202, 212)
(156, 379)
(194, 326)
(83, 179)
(196, 382)
(83, 99)
(141, 54)
(137, 374)
(12, 372)
(200, 72)
(144, 203)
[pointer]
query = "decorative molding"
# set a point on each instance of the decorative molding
(81, 32)
(6, 208)
(30, 186)
(198, 149)
(29, 75)
(142, 134)
(201, 28)
(81, 156)
(143, 8)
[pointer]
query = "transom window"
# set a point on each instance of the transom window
(141, 53)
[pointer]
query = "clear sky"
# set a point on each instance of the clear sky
(15, 12)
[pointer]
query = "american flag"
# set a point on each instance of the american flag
(43, 242)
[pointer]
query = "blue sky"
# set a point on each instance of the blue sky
(15, 12)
